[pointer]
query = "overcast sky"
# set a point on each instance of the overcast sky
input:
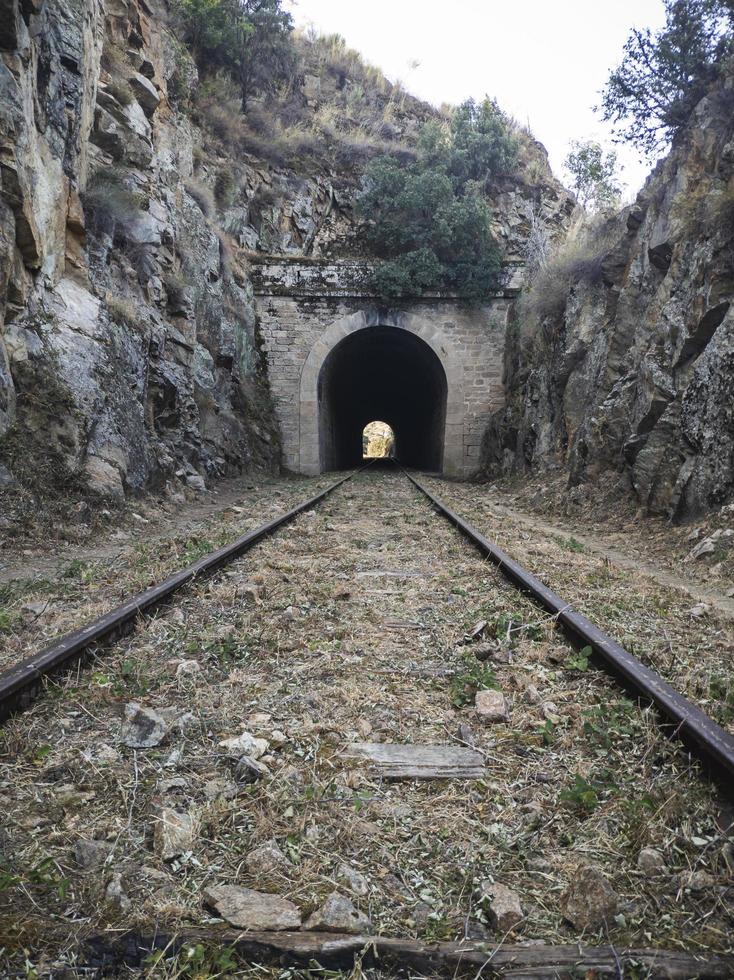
(545, 62)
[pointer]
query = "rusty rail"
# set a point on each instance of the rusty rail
(20, 684)
(710, 742)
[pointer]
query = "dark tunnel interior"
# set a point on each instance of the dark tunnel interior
(382, 373)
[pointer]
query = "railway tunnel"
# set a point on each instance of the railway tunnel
(382, 373)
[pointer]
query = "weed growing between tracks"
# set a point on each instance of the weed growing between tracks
(349, 625)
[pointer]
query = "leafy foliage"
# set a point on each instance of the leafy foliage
(650, 96)
(594, 174)
(249, 39)
(470, 677)
(429, 221)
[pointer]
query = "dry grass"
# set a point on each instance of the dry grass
(347, 627)
(577, 260)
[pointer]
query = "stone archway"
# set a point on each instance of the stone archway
(311, 441)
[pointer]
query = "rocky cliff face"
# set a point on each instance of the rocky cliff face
(127, 341)
(630, 369)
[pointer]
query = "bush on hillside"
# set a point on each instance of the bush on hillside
(428, 221)
(249, 39)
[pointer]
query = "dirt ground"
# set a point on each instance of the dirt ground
(355, 624)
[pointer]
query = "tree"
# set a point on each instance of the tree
(482, 143)
(250, 39)
(428, 235)
(662, 76)
(594, 174)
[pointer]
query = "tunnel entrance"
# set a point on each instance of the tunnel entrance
(382, 373)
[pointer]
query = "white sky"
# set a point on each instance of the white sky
(545, 61)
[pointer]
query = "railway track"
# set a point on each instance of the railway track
(365, 625)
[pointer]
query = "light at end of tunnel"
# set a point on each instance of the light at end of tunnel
(378, 440)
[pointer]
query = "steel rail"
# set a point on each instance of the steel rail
(19, 684)
(710, 741)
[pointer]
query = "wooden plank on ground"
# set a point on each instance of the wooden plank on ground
(393, 761)
(472, 959)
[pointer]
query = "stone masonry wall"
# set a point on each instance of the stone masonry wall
(305, 308)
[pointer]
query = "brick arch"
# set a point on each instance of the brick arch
(430, 334)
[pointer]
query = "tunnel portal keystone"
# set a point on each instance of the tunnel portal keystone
(306, 308)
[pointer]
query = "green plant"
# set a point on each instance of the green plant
(249, 39)
(580, 660)
(507, 626)
(470, 677)
(7, 618)
(77, 569)
(427, 219)
(195, 549)
(721, 689)
(202, 195)
(607, 724)
(594, 174)
(47, 875)
(225, 188)
(581, 795)
(108, 201)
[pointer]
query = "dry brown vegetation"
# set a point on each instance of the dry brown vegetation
(351, 626)
(578, 259)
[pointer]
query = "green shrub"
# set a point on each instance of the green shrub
(428, 220)
(650, 96)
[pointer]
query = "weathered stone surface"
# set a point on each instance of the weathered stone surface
(248, 909)
(145, 92)
(90, 854)
(267, 859)
(490, 706)
(590, 900)
(338, 914)
(142, 728)
(651, 861)
(115, 893)
(103, 478)
(244, 744)
(355, 882)
(174, 833)
(502, 905)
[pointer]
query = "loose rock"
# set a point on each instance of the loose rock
(249, 770)
(590, 900)
(651, 861)
(115, 893)
(90, 853)
(267, 859)
(249, 909)
(354, 881)
(697, 881)
(174, 833)
(142, 728)
(338, 914)
(502, 904)
(490, 706)
(244, 744)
